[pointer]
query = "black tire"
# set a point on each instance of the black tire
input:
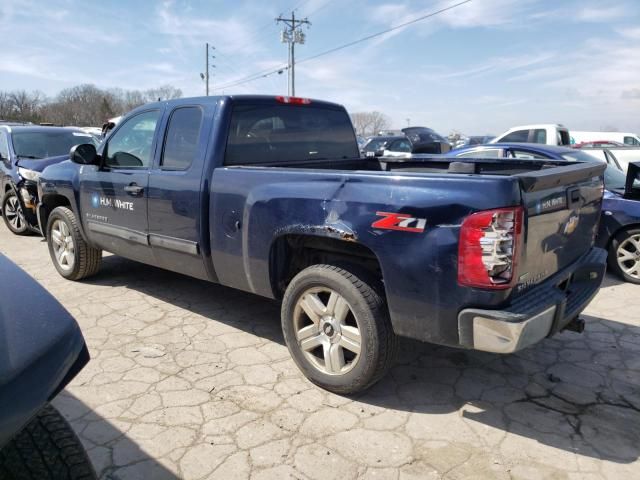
(367, 309)
(13, 215)
(84, 260)
(625, 239)
(46, 449)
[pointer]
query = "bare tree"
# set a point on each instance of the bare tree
(164, 92)
(369, 123)
(6, 106)
(25, 106)
(82, 105)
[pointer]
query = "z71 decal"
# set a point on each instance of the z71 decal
(399, 221)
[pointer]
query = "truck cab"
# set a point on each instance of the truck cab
(547, 134)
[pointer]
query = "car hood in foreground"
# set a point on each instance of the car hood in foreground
(41, 348)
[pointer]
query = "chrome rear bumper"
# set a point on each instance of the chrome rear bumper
(540, 313)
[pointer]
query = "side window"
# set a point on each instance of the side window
(130, 145)
(488, 153)
(525, 155)
(540, 136)
(519, 136)
(4, 146)
(181, 139)
(631, 141)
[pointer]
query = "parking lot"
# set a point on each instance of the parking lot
(192, 380)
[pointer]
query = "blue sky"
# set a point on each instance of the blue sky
(479, 68)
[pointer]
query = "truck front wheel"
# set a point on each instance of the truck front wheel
(72, 256)
(337, 328)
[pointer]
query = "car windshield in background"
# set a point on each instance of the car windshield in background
(614, 179)
(375, 144)
(281, 133)
(46, 144)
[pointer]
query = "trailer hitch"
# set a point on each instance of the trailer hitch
(575, 325)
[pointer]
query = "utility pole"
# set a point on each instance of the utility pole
(292, 34)
(205, 75)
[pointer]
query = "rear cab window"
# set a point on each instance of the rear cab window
(563, 137)
(269, 133)
(631, 141)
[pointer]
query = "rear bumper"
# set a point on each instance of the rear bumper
(541, 312)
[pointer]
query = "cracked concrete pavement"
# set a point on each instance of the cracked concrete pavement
(192, 380)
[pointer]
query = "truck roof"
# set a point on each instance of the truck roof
(239, 99)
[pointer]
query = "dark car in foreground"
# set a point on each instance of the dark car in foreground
(24, 152)
(619, 230)
(41, 350)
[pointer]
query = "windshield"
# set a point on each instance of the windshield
(614, 179)
(375, 144)
(44, 144)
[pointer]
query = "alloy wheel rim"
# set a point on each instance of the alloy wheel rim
(327, 331)
(63, 246)
(628, 256)
(13, 212)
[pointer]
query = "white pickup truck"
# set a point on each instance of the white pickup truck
(547, 134)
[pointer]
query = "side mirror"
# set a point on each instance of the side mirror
(84, 154)
(632, 185)
(379, 153)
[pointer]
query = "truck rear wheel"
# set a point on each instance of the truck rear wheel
(624, 255)
(337, 328)
(46, 449)
(71, 255)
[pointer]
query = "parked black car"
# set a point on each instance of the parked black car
(41, 351)
(24, 152)
(378, 144)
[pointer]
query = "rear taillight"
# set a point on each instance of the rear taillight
(489, 248)
(293, 100)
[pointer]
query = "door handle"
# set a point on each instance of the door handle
(134, 189)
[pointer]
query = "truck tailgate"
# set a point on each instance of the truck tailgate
(562, 206)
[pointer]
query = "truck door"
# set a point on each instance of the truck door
(177, 210)
(114, 197)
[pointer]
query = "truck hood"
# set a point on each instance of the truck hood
(41, 163)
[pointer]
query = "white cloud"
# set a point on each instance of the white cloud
(601, 13)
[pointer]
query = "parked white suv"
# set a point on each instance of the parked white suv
(548, 134)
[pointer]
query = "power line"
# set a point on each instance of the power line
(383, 32)
(266, 73)
(321, 7)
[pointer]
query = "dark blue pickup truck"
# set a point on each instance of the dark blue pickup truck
(269, 195)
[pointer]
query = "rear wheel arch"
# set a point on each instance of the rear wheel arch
(291, 253)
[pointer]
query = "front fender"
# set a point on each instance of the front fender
(59, 185)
